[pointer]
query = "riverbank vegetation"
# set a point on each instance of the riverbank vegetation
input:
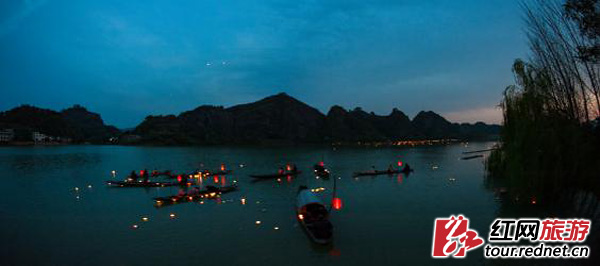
(550, 141)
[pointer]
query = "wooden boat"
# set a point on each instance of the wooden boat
(156, 173)
(404, 170)
(471, 157)
(210, 192)
(140, 184)
(220, 172)
(314, 217)
(269, 176)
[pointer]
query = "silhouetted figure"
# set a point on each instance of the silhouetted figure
(133, 176)
(407, 168)
(145, 175)
(391, 168)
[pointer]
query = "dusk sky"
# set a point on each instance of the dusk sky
(129, 59)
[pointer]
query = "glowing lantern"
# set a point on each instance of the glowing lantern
(288, 167)
(223, 181)
(179, 178)
(222, 167)
(141, 172)
(321, 163)
(216, 179)
(337, 203)
(400, 163)
(243, 201)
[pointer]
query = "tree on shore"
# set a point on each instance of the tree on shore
(548, 143)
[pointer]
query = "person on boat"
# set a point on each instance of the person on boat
(145, 175)
(132, 177)
(406, 168)
(293, 168)
(391, 169)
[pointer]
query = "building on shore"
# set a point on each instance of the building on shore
(7, 135)
(40, 137)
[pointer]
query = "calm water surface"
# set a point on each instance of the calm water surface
(385, 220)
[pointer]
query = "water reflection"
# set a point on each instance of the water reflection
(382, 220)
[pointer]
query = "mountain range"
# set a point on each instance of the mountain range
(283, 119)
(276, 119)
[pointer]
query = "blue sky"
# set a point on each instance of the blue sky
(129, 59)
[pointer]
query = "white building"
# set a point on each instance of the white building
(7, 135)
(39, 137)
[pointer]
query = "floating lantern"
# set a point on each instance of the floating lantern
(89, 186)
(321, 163)
(172, 215)
(337, 203)
(145, 219)
(300, 216)
(243, 200)
(258, 222)
(201, 202)
(533, 200)
(276, 228)
(135, 226)
(76, 189)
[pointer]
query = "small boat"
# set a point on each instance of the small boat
(314, 217)
(157, 173)
(404, 170)
(321, 171)
(471, 157)
(220, 172)
(140, 184)
(269, 176)
(210, 192)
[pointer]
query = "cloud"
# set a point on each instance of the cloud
(491, 115)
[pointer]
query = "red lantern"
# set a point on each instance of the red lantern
(141, 172)
(223, 181)
(216, 179)
(321, 163)
(337, 203)
(179, 178)
(400, 163)
(222, 167)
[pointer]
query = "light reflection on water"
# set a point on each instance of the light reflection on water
(385, 220)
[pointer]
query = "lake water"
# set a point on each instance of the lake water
(385, 220)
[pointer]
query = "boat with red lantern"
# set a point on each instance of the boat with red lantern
(390, 171)
(290, 170)
(313, 216)
(211, 192)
